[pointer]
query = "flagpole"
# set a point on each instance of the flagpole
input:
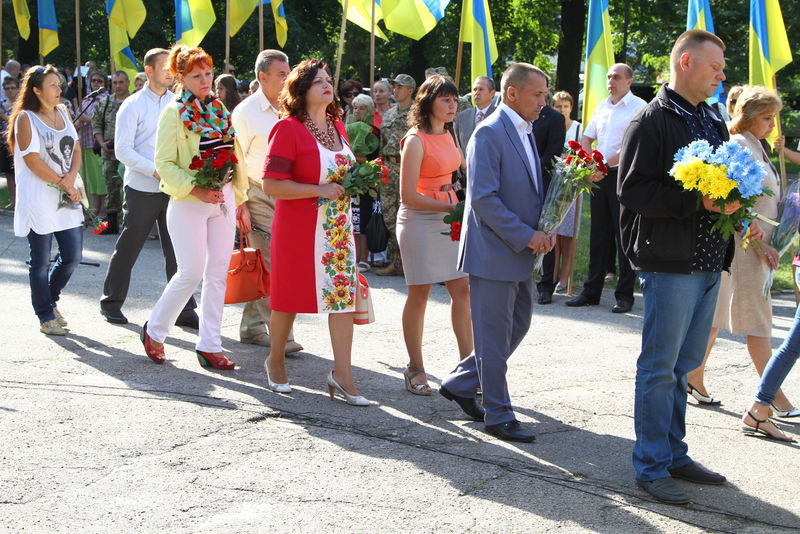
(227, 35)
(460, 52)
(341, 48)
(260, 25)
(78, 50)
(372, 52)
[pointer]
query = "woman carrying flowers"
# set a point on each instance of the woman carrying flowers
(312, 246)
(201, 211)
(741, 307)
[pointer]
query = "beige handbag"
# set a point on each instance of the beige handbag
(365, 313)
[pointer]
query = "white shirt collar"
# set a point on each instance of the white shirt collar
(484, 110)
(519, 123)
(622, 101)
(152, 94)
(264, 102)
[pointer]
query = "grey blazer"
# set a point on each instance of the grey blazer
(465, 124)
(502, 205)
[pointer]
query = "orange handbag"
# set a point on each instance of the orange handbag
(248, 276)
(365, 313)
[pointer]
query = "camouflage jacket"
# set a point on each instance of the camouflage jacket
(393, 128)
(104, 117)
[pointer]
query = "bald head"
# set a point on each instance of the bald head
(618, 81)
(691, 42)
(13, 67)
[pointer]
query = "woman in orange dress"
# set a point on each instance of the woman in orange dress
(429, 156)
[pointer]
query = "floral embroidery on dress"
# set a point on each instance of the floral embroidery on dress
(339, 287)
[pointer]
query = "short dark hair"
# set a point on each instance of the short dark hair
(690, 40)
(517, 74)
(422, 109)
(10, 80)
(121, 73)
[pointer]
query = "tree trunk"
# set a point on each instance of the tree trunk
(570, 49)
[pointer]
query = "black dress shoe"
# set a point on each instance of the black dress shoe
(510, 431)
(583, 300)
(545, 298)
(694, 472)
(622, 306)
(470, 406)
(114, 316)
(188, 319)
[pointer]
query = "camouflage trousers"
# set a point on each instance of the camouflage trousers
(113, 183)
(390, 201)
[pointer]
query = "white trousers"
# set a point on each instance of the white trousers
(203, 240)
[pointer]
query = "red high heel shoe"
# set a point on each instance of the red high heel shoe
(154, 353)
(208, 359)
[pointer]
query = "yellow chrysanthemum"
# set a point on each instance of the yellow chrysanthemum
(715, 182)
(689, 174)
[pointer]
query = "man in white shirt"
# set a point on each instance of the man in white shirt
(145, 204)
(607, 126)
(11, 70)
(253, 120)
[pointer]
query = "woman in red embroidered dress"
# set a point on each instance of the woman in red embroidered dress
(312, 246)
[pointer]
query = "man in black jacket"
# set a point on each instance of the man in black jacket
(549, 130)
(667, 236)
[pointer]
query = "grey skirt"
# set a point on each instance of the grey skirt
(429, 256)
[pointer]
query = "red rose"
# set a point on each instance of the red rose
(597, 156)
(455, 236)
(570, 159)
(455, 227)
(100, 228)
(217, 163)
(196, 163)
(574, 145)
(207, 154)
(233, 158)
(379, 161)
(602, 167)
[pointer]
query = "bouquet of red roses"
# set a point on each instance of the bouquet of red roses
(358, 178)
(455, 218)
(572, 177)
(214, 170)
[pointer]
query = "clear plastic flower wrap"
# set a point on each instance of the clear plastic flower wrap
(786, 232)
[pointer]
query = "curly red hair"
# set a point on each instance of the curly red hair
(183, 59)
(292, 99)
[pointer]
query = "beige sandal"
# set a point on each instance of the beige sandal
(422, 388)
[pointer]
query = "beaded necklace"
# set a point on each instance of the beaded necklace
(327, 139)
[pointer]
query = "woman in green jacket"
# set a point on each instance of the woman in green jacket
(201, 221)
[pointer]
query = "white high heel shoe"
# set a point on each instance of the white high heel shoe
(274, 386)
(353, 400)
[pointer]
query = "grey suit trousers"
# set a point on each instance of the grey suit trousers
(141, 211)
(501, 316)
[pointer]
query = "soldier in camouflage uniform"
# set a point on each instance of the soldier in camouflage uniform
(103, 122)
(393, 128)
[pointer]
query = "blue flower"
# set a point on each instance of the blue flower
(696, 149)
(742, 168)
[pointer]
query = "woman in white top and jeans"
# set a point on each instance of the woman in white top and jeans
(47, 156)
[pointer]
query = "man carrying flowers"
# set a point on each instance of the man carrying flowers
(667, 235)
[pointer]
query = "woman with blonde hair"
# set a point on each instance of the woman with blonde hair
(741, 307)
(201, 222)
(429, 156)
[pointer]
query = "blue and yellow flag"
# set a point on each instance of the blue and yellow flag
(599, 57)
(413, 18)
(769, 45)
(193, 19)
(359, 12)
(281, 26)
(48, 27)
(698, 17)
(23, 16)
(476, 28)
(125, 17)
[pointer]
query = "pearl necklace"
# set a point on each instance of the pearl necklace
(327, 139)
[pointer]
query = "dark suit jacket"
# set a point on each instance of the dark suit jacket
(549, 130)
(465, 124)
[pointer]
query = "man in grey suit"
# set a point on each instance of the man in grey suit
(483, 91)
(499, 240)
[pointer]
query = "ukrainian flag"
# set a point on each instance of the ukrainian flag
(698, 17)
(413, 18)
(359, 12)
(599, 57)
(240, 11)
(193, 19)
(769, 45)
(281, 26)
(48, 27)
(476, 28)
(23, 16)
(125, 17)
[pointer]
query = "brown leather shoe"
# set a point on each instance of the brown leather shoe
(390, 270)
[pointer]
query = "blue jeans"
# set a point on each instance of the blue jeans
(678, 311)
(47, 282)
(781, 362)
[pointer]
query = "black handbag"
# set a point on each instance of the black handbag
(459, 179)
(376, 231)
